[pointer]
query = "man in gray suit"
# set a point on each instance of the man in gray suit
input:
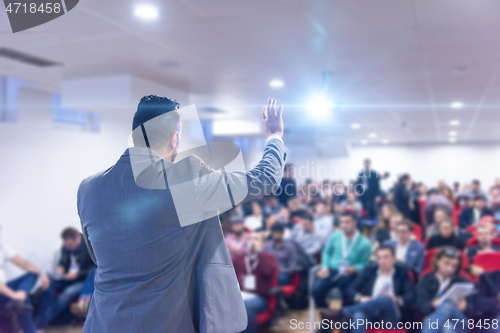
(154, 275)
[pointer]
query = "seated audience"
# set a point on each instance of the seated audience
(475, 190)
(81, 307)
(345, 255)
(14, 294)
(255, 221)
(382, 292)
(408, 250)
(294, 206)
(440, 214)
(273, 205)
(436, 200)
(306, 236)
(431, 288)
(68, 280)
(351, 204)
(288, 186)
(237, 239)
(446, 236)
(323, 223)
(472, 215)
(485, 235)
(385, 234)
(284, 251)
(254, 271)
(386, 211)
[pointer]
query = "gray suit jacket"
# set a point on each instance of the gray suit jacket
(414, 255)
(154, 276)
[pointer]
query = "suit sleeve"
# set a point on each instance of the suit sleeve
(408, 296)
(424, 298)
(364, 257)
(354, 288)
(222, 189)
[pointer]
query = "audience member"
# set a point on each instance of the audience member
(294, 206)
(350, 204)
(323, 223)
(255, 272)
(81, 307)
(435, 201)
(408, 250)
(284, 251)
(370, 195)
(237, 239)
(485, 235)
(255, 221)
(306, 236)
(475, 190)
(14, 294)
(446, 236)
(403, 199)
(431, 288)
(385, 234)
(345, 254)
(288, 186)
(472, 215)
(440, 214)
(273, 205)
(68, 280)
(382, 292)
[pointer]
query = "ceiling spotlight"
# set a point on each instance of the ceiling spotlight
(320, 106)
(146, 12)
(355, 126)
(385, 141)
(364, 142)
(372, 135)
(452, 140)
(456, 105)
(452, 133)
(276, 83)
(455, 122)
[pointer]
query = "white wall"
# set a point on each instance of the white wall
(41, 166)
(424, 163)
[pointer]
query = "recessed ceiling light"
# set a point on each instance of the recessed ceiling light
(455, 122)
(320, 106)
(452, 133)
(276, 83)
(452, 140)
(355, 126)
(372, 135)
(146, 12)
(364, 142)
(385, 141)
(456, 105)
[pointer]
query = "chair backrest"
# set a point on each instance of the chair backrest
(473, 242)
(489, 261)
(417, 231)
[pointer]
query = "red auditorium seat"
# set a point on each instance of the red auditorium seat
(267, 316)
(489, 261)
(473, 242)
(290, 289)
(417, 232)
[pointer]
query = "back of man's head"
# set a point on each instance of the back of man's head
(159, 131)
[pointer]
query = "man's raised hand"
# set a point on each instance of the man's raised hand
(272, 118)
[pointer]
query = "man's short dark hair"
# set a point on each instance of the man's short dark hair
(160, 131)
(70, 233)
(305, 215)
(407, 223)
(386, 247)
(350, 214)
(479, 197)
(476, 181)
(404, 177)
(278, 227)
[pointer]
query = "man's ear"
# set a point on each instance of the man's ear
(174, 138)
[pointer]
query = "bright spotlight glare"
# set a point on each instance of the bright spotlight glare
(146, 12)
(320, 105)
(355, 126)
(455, 122)
(456, 105)
(452, 140)
(364, 142)
(276, 83)
(385, 141)
(372, 135)
(452, 133)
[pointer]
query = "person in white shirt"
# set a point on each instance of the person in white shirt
(323, 223)
(14, 294)
(383, 291)
(255, 221)
(306, 236)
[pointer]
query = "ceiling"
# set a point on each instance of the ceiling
(396, 64)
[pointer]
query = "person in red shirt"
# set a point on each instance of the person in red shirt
(255, 271)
